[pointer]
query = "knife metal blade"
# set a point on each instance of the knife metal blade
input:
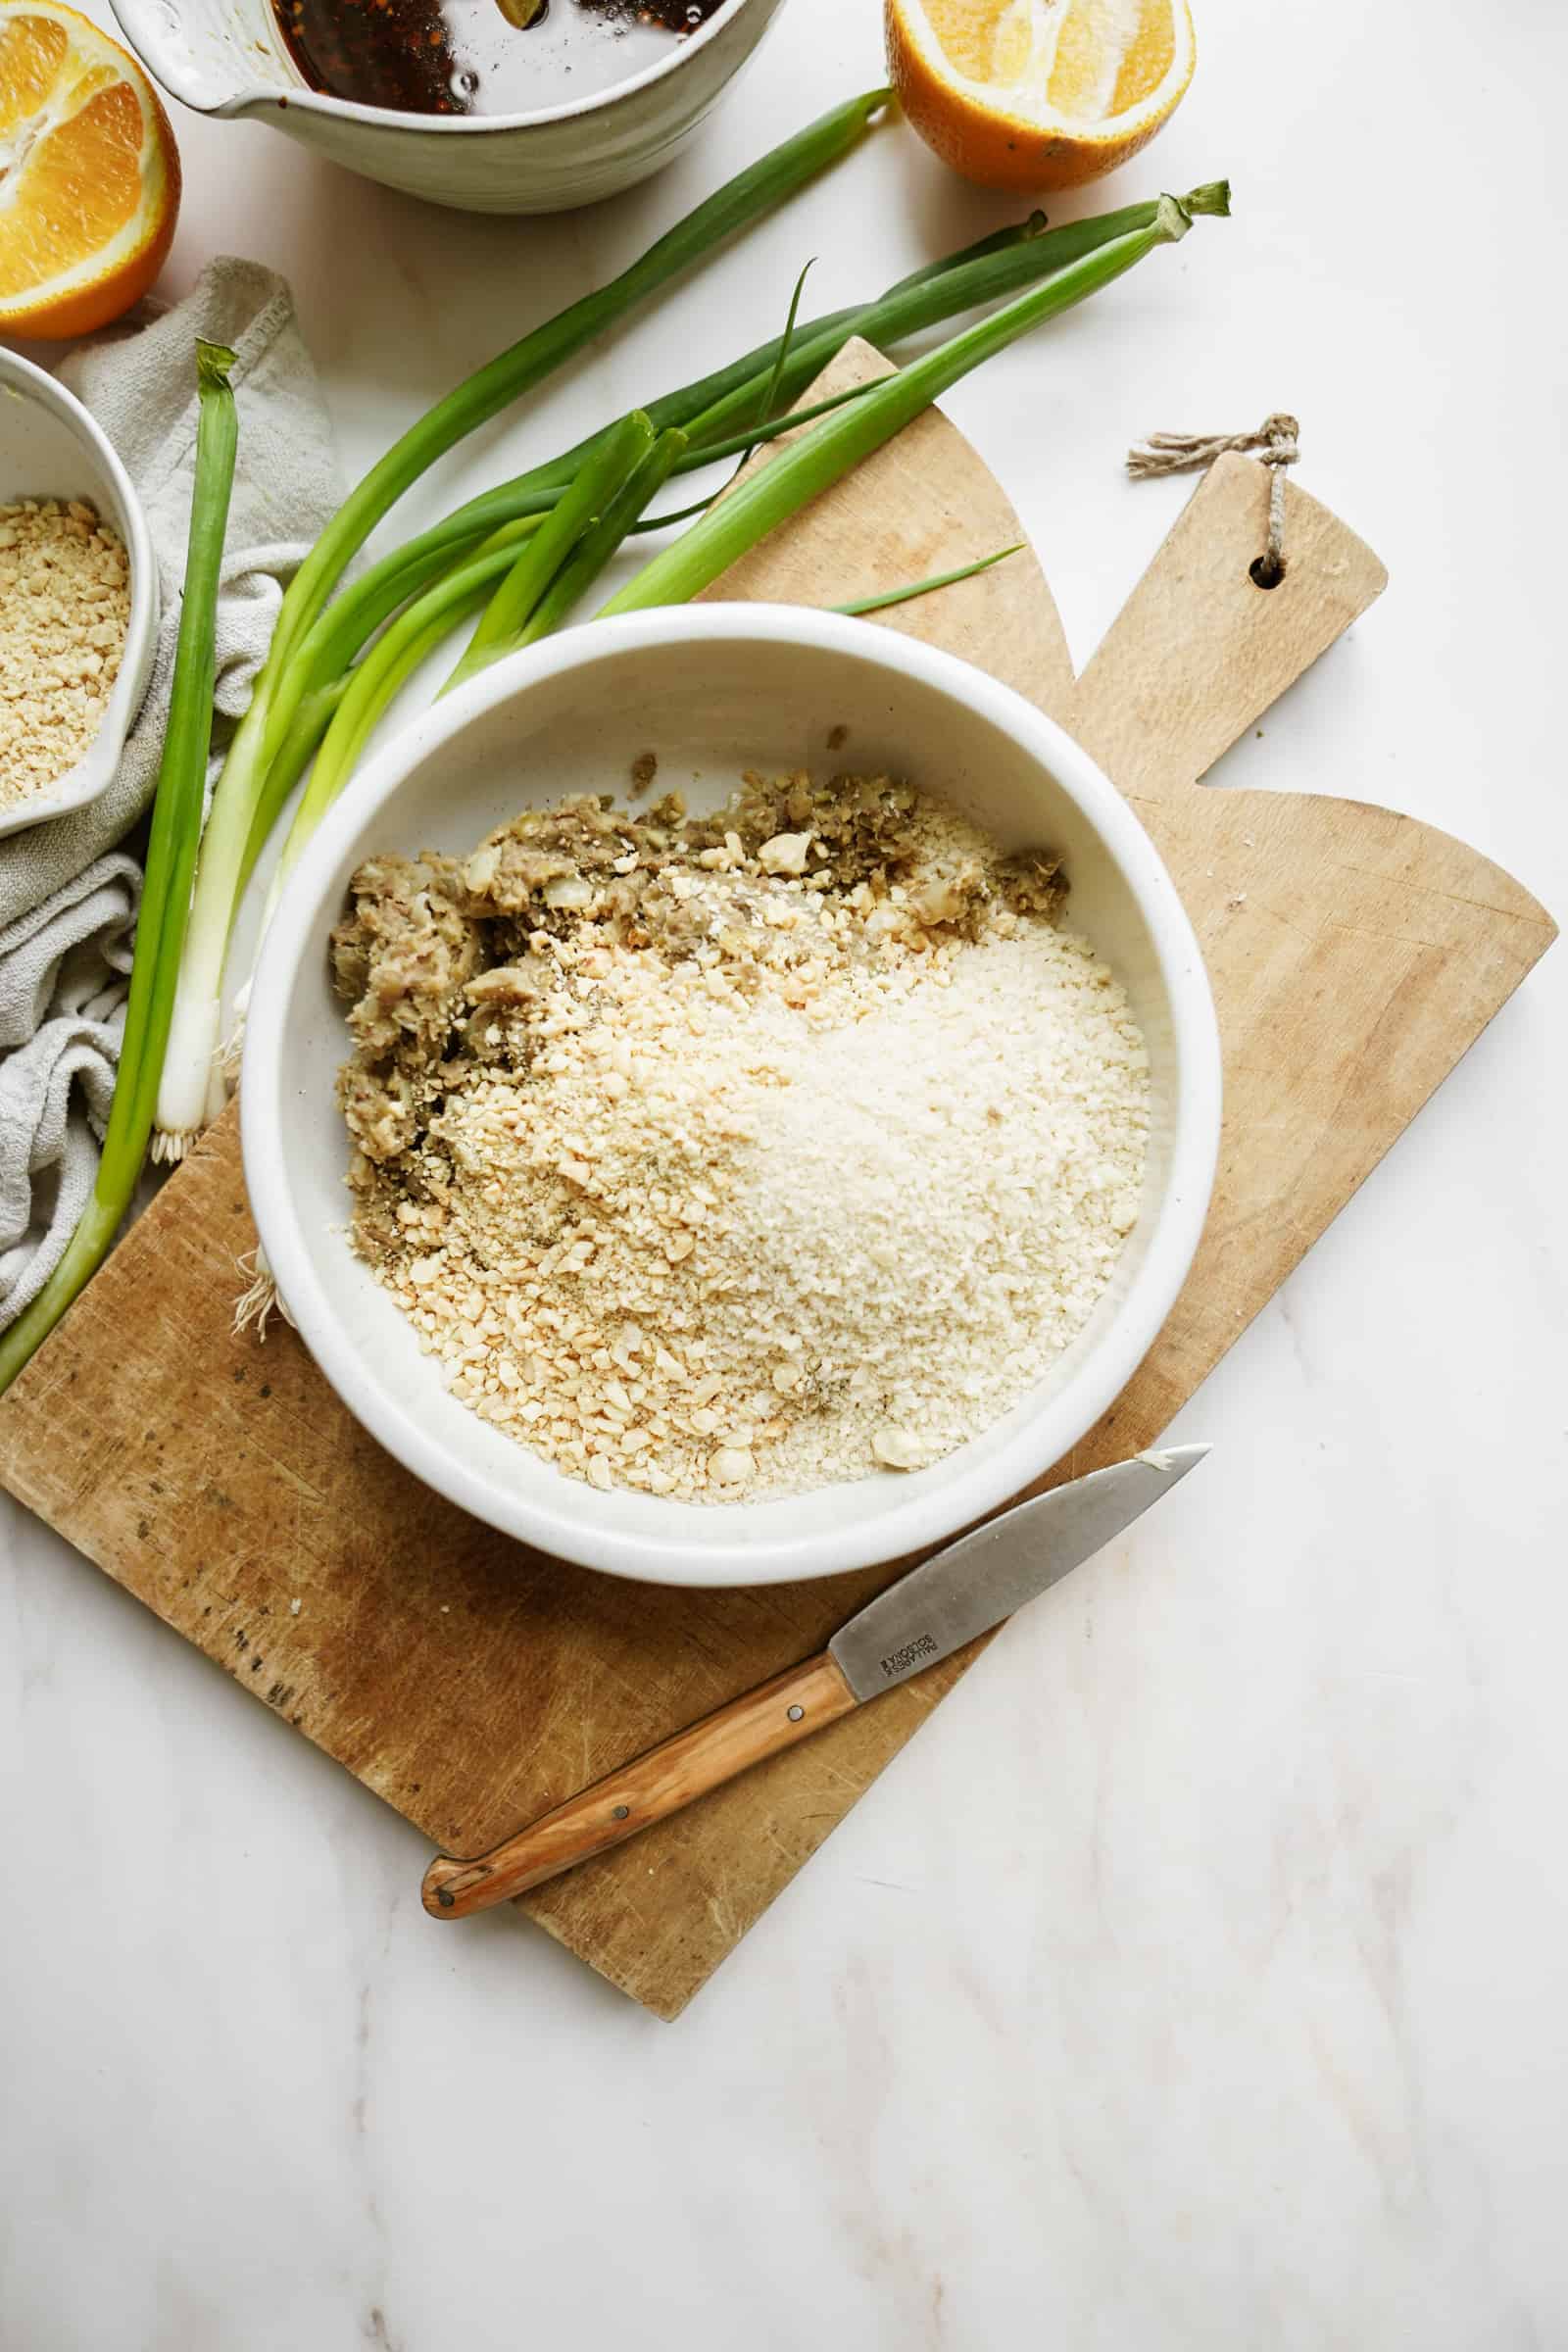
(963, 1591)
(987, 1576)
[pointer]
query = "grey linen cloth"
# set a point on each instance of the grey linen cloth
(67, 907)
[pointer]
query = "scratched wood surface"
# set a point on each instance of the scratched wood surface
(1355, 956)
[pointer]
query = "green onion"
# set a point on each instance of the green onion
(998, 266)
(1009, 259)
(511, 606)
(243, 783)
(353, 618)
(492, 388)
(925, 302)
(177, 825)
(391, 662)
(336, 636)
(601, 540)
(938, 579)
(523, 610)
(1015, 234)
(666, 522)
(294, 755)
(432, 616)
(679, 406)
(805, 468)
(714, 407)
(530, 612)
(771, 398)
(851, 426)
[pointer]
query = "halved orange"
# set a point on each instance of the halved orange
(89, 175)
(1038, 94)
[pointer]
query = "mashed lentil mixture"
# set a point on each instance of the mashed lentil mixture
(730, 1156)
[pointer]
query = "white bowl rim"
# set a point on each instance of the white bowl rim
(970, 1495)
(301, 98)
(126, 697)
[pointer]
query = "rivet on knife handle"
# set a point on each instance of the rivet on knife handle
(658, 1782)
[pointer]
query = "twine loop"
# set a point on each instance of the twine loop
(1276, 445)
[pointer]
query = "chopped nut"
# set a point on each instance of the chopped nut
(730, 1466)
(896, 1448)
(65, 607)
(785, 854)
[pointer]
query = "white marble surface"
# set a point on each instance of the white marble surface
(1196, 1980)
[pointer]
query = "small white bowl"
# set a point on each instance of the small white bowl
(716, 689)
(51, 448)
(227, 58)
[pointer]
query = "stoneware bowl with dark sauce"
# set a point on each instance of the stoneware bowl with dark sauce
(230, 59)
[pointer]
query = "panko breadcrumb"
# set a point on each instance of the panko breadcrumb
(65, 607)
(732, 1156)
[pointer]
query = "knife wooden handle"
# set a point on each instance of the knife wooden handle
(774, 1716)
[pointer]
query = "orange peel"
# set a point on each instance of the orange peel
(1038, 94)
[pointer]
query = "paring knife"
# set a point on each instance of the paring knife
(948, 1599)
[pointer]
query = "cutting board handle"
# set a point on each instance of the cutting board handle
(1199, 650)
(774, 1716)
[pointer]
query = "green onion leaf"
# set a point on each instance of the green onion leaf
(177, 825)
(938, 579)
(386, 669)
(831, 449)
(715, 406)
(746, 198)
(512, 603)
(770, 396)
(600, 542)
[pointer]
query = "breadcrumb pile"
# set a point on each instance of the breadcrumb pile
(65, 607)
(734, 1156)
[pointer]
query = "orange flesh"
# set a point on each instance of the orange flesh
(1148, 57)
(976, 42)
(78, 143)
(30, 52)
(994, 42)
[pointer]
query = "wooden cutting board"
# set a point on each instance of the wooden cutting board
(1355, 956)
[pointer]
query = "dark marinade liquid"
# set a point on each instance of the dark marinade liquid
(465, 57)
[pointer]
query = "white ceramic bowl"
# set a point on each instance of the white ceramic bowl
(51, 448)
(225, 56)
(716, 689)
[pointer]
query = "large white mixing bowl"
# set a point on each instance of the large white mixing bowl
(716, 689)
